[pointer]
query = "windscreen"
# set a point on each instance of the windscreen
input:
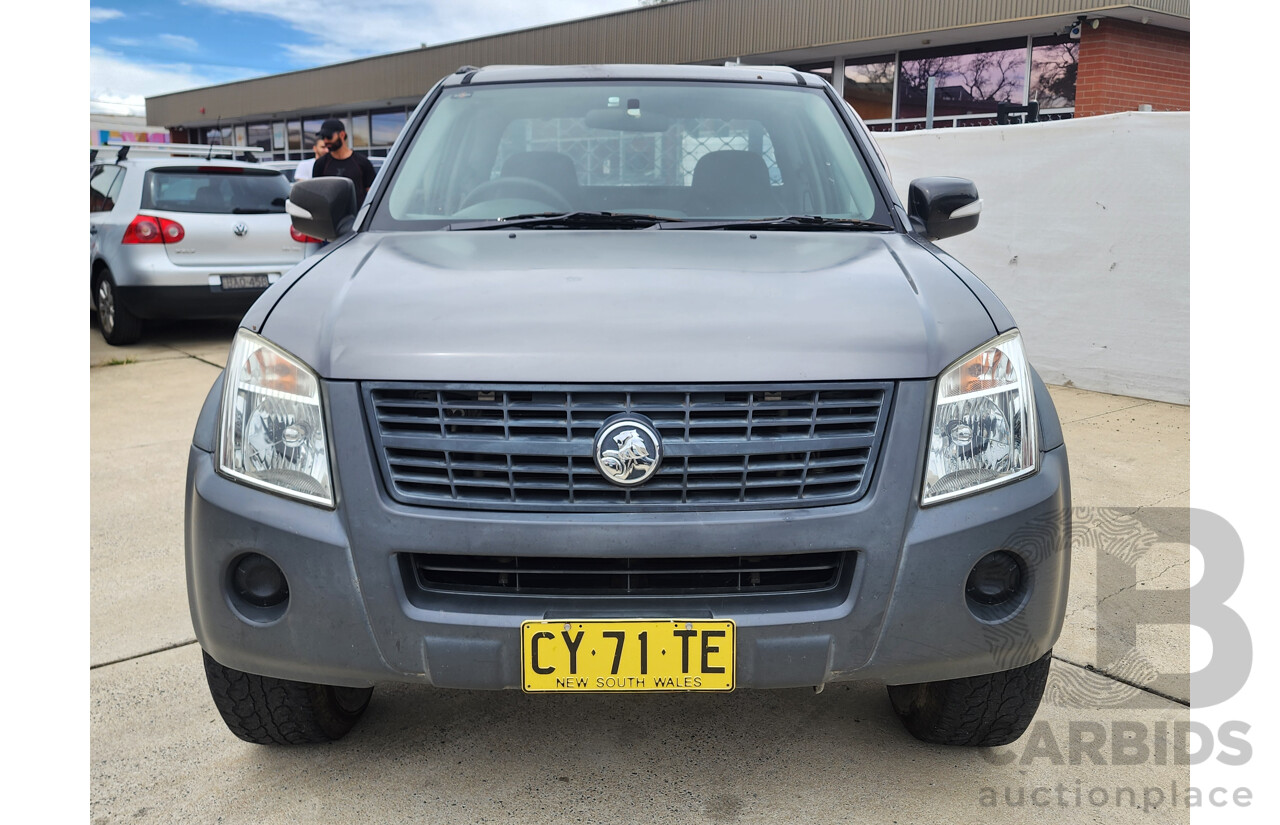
(673, 150)
(215, 190)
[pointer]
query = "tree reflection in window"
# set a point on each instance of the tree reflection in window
(971, 79)
(1053, 72)
(868, 86)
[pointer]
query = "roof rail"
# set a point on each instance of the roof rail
(208, 150)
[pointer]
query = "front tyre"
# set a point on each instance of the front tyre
(977, 711)
(119, 325)
(269, 711)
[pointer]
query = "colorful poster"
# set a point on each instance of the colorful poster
(101, 136)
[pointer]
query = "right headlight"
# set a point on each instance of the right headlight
(272, 433)
(984, 422)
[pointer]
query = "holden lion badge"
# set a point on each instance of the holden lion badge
(627, 450)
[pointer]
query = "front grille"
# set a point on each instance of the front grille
(530, 448)
(576, 576)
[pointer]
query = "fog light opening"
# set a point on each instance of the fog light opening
(258, 581)
(995, 580)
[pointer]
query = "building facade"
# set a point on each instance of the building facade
(903, 65)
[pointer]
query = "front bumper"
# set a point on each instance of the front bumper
(900, 615)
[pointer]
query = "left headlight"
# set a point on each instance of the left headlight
(272, 430)
(984, 422)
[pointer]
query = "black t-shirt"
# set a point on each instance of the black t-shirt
(356, 168)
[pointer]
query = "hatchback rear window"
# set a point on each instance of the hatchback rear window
(211, 189)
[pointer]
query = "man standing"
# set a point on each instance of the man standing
(305, 166)
(341, 161)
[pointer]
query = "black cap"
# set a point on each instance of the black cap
(331, 127)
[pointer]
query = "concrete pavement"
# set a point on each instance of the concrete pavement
(160, 753)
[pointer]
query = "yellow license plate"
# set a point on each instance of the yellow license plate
(633, 655)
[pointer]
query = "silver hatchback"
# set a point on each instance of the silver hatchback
(184, 237)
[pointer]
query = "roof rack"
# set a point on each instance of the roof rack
(208, 150)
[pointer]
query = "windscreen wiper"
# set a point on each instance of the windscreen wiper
(789, 223)
(566, 220)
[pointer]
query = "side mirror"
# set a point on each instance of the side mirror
(943, 207)
(323, 208)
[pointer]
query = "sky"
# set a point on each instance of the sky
(142, 48)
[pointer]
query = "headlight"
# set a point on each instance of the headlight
(272, 432)
(984, 422)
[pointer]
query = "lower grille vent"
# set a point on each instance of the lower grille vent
(575, 576)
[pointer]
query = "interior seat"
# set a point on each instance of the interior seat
(555, 169)
(732, 183)
(208, 199)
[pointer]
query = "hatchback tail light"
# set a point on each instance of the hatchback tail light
(300, 238)
(152, 229)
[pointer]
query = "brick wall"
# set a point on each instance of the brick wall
(1124, 65)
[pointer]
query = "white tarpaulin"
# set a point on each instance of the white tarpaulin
(1085, 235)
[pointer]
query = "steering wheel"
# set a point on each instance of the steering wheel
(538, 190)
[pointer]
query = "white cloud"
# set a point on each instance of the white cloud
(320, 54)
(97, 15)
(343, 32)
(110, 104)
(328, 34)
(115, 81)
(177, 41)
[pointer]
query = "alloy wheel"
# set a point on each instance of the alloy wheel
(106, 306)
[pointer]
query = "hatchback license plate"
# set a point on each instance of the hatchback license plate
(244, 282)
(627, 655)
